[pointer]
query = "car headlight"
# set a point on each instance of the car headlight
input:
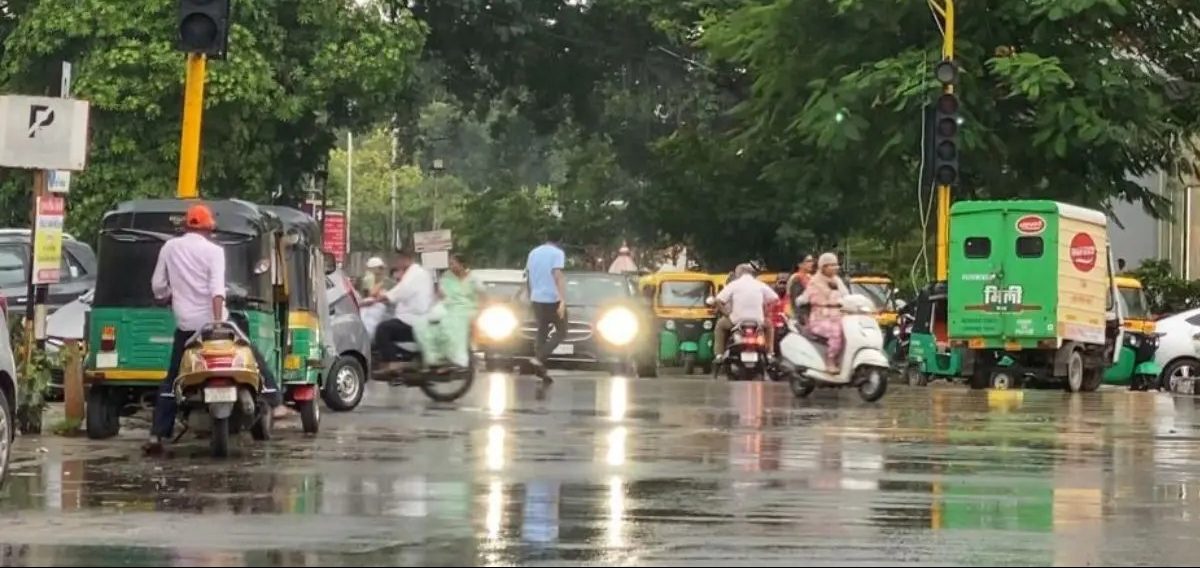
(618, 326)
(670, 325)
(708, 324)
(497, 322)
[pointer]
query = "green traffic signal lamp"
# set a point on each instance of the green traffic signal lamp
(204, 27)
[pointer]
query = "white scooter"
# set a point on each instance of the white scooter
(864, 364)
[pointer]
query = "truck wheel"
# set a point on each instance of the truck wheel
(689, 363)
(1092, 378)
(103, 414)
(1001, 380)
(1073, 382)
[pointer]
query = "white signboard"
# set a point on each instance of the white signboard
(43, 133)
(58, 181)
(433, 241)
(436, 260)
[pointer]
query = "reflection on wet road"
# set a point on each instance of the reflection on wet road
(618, 471)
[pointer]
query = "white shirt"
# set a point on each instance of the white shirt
(747, 298)
(413, 295)
(191, 270)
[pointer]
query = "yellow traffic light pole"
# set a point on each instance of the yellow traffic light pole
(193, 111)
(943, 191)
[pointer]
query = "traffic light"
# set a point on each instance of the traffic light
(945, 127)
(204, 27)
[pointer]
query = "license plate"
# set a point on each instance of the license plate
(749, 357)
(106, 360)
(564, 349)
(220, 394)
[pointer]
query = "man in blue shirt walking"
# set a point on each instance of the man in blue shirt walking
(547, 287)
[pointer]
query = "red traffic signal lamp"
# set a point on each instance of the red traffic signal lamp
(204, 27)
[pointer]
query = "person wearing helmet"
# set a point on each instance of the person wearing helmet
(190, 273)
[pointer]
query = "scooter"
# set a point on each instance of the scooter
(745, 355)
(775, 371)
(411, 371)
(864, 364)
(218, 375)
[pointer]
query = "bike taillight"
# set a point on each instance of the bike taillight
(217, 361)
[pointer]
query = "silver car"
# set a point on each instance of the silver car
(8, 393)
(348, 342)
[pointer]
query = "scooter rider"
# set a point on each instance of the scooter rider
(413, 297)
(824, 295)
(190, 272)
(744, 299)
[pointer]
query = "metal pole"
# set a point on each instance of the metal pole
(349, 185)
(189, 143)
(392, 222)
(943, 191)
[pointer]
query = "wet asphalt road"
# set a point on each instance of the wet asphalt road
(606, 470)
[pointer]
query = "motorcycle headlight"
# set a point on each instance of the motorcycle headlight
(708, 325)
(618, 326)
(497, 322)
(670, 325)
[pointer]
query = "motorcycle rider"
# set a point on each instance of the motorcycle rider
(413, 298)
(824, 295)
(799, 280)
(744, 299)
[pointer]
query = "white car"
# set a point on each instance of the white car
(1177, 353)
(8, 393)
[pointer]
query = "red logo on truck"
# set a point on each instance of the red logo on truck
(1031, 225)
(1083, 252)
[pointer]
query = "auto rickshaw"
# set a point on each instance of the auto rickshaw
(880, 290)
(684, 319)
(309, 357)
(1135, 365)
(1031, 280)
(130, 334)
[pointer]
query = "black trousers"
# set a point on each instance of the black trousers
(547, 317)
(386, 336)
(165, 407)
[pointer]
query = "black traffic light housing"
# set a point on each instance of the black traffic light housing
(204, 27)
(945, 127)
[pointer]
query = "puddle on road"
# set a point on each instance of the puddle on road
(617, 471)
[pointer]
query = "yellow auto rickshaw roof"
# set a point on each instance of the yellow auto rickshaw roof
(1128, 282)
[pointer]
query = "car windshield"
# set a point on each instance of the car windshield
(680, 294)
(595, 290)
(12, 268)
(1133, 303)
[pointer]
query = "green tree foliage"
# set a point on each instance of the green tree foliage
(296, 73)
(1166, 292)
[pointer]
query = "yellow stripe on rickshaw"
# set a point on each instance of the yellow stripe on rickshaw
(300, 319)
(126, 374)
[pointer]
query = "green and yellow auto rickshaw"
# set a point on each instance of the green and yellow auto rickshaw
(1135, 366)
(1030, 281)
(684, 319)
(130, 334)
(308, 315)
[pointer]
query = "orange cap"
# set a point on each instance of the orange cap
(200, 217)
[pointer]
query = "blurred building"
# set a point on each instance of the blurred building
(1137, 236)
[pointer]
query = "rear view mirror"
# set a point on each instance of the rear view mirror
(330, 263)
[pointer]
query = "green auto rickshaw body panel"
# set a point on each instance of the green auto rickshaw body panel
(1121, 373)
(922, 350)
(668, 346)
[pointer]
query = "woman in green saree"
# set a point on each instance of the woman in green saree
(449, 337)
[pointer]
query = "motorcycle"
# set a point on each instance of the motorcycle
(219, 376)
(745, 354)
(412, 371)
(865, 366)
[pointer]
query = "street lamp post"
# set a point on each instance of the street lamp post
(438, 168)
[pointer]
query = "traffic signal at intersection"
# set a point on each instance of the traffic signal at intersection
(204, 27)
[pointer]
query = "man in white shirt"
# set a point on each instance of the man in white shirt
(744, 299)
(191, 273)
(413, 297)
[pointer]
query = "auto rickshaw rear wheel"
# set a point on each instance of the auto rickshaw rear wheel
(261, 429)
(915, 377)
(689, 363)
(310, 415)
(103, 414)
